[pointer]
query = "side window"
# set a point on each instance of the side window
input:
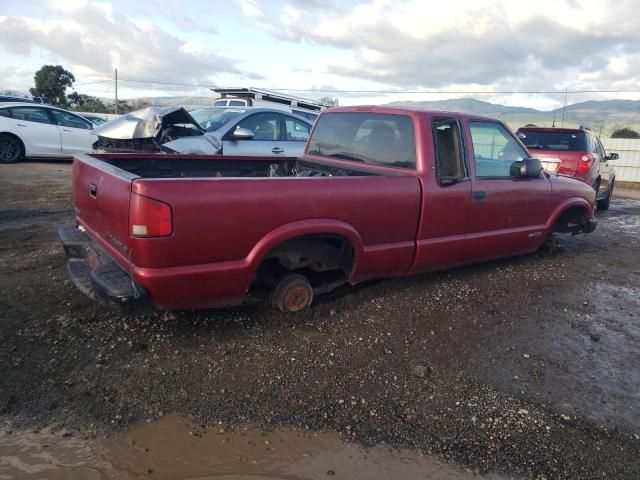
(450, 163)
(66, 119)
(265, 126)
(237, 103)
(296, 130)
(494, 150)
(30, 114)
(4, 112)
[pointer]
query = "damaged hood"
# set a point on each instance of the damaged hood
(145, 123)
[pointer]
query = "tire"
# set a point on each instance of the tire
(605, 202)
(292, 293)
(11, 148)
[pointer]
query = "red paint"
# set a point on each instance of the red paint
(399, 222)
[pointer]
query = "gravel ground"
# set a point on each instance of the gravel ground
(527, 366)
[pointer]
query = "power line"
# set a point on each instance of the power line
(386, 92)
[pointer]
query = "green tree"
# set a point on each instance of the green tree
(51, 83)
(328, 101)
(86, 103)
(625, 133)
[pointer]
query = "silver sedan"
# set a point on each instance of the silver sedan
(226, 131)
(254, 131)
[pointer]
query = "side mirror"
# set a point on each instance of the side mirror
(526, 168)
(242, 134)
(612, 156)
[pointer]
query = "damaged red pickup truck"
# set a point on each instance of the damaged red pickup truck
(380, 192)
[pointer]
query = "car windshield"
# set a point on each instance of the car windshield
(558, 140)
(213, 118)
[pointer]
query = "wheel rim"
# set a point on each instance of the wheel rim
(296, 299)
(9, 150)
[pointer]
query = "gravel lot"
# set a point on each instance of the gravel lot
(526, 367)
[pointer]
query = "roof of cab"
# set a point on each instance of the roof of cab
(393, 110)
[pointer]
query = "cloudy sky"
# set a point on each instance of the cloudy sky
(395, 46)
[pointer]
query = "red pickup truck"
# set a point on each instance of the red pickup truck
(379, 192)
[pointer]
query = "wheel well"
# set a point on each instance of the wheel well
(9, 134)
(322, 258)
(572, 220)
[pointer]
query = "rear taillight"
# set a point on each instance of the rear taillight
(584, 165)
(149, 217)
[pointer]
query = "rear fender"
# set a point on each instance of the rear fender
(301, 228)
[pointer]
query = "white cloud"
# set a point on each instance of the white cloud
(93, 38)
(499, 45)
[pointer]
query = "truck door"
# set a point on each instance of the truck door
(507, 214)
(446, 199)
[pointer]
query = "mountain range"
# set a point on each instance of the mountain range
(601, 116)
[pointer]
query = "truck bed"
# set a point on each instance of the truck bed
(228, 213)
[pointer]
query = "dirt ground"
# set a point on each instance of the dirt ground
(527, 366)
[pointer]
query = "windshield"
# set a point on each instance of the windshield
(560, 140)
(213, 118)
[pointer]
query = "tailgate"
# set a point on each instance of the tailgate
(567, 161)
(101, 198)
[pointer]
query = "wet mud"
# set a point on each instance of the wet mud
(176, 447)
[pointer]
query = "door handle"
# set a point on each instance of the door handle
(479, 195)
(277, 150)
(20, 125)
(65, 130)
(93, 190)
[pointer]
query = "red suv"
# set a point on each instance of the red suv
(575, 152)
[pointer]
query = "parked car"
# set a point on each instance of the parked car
(575, 152)
(25, 99)
(209, 131)
(380, 192)
(95, 119)
(30, 130)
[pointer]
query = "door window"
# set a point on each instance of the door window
(265, 126)
(296, 130)
(66, 119)
(494, 150)
(450, 164)
(30, 114)
(237, 103)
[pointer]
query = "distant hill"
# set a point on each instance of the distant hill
(595, 114)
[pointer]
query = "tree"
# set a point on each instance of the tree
(86, 103)
(51, 83)
(328, 102)
(625, 133)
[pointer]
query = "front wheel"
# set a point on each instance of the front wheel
(292, 293)
(10, 149)
(605, 202)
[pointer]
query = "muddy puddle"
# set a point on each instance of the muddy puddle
(176, 448)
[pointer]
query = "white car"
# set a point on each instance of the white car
(31, 130)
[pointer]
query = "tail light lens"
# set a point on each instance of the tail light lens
(149, 217)
(584, 165)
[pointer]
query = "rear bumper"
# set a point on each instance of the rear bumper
(99, 277)
(592, 223)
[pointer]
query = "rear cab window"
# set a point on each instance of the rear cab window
(386, 140)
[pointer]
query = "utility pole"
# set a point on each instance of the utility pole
(116, 91)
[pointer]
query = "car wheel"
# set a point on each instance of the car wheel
(11, 149)
(292, 293)
(605, 202)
